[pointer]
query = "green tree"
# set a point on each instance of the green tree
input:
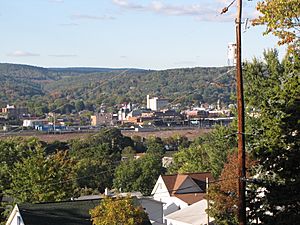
(276, 106)
(97, 157)
(40, 178)
(206, 153)
(11, 151)
(138, 174)
(119, 211)
(79, 105)
(155, 145)
(96, 167)
(128, 152)
(112, 139)
(176, 141)
(282, 19)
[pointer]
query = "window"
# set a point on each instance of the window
(18, 220)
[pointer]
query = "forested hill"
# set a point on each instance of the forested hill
(43, 88)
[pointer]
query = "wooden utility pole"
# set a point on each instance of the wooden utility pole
(207, 199)
(241, 120)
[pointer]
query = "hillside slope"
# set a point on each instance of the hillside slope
(49, 88)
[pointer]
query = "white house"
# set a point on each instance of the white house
(178, 191)
(15, 217)
(73, 212)
(194, 214)
(53, 213)
(153, 208)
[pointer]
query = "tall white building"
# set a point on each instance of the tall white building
(231, 54)
(156, 103)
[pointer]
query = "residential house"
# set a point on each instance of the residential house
(153, 208)
(55, 213)
(178, 191)
(194, 214)
(75, 212)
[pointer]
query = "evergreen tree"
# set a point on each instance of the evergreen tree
(273, 96)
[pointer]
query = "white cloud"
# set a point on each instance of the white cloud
(121, 2)
(19, 53)
(203, 12)
(91, 17)
(63, 55)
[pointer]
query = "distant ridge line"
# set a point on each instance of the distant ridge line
(90, 69)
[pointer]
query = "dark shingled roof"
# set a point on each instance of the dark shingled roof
(58, 213)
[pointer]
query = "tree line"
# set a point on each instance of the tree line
(66, 91)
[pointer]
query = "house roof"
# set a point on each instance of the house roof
(193, 215)
(58, 213)
(178, 182)
(190, 198)
(174, 181)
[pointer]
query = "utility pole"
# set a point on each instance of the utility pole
(241, 120)
(207, 199)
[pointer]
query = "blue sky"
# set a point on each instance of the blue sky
(149, 34)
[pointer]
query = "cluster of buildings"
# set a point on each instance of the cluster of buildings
(176, 199)
(11, 112)
(158, 113)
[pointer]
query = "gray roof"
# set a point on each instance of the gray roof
(58, 213)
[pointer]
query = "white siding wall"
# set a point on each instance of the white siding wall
(15, 217)
(160, 190)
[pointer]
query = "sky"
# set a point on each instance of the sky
(147, 34)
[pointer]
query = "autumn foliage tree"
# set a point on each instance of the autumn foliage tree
(119, 211)
(282, 19)
(223, 194)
